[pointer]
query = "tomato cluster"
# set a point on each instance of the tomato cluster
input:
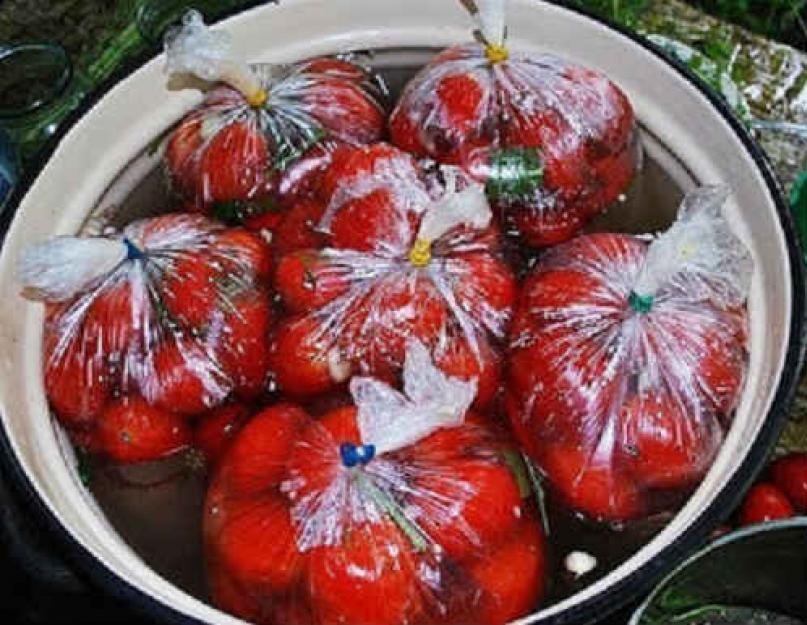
(232, 159)
(574, 128)
(171, 332)
(482, 556)
(357, 298)
(614, 401)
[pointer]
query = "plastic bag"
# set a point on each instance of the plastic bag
(404, 255)
(555, 142)
(628, 359)
(228, 156)
(150, 326)
(402, 508)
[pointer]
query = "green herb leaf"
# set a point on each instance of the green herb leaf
(234, 212)
(83, 467)
(413, 532)
(515, 174)
(515, 463)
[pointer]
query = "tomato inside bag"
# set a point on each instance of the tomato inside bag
(404, 255)
(556, 143)
(402, 507)
(628, 357)
(233, 156)
(150, 326)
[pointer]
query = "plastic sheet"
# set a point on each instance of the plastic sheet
(231, 156)
(555, 143)
(149, 326)
(405, 253)
(627, 359)
(399, 508)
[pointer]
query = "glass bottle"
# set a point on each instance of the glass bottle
(38, 89)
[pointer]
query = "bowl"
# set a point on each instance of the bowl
(761, 567)
(104, 155)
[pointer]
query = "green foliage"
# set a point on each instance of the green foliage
(777, 19)
(783, 20)
(76, 24)
(625, 12)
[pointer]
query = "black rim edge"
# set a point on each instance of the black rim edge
(597, 607)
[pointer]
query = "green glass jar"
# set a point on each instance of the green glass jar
(38, 88)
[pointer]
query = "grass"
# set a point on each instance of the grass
(777, 19)
(783, 20)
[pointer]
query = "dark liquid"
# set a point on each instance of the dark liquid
(157, 507)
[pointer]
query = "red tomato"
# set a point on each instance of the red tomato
(255, 462)
(234, 164)
(461, 98)
(592, 486)
(335, 67)
(189, 289)
(182, 155)
(254, 542)
(301, 180)
(238, 337)
(471, 504)
(457, 118)
(268, 220)
(77, 380)
(372, 223)
(789, 473)
(306, 280)
(314, 462)
(304, 359)
(457, 358)
(298, 228)
(350, 163)
(182, 379)
(342, 106)
(244, 252)
(512, 578)
(665, 446)
(722, 367)
(765, 502)
(396, 311)
(118, 318)
(486, 289)
(545, 225)
(215, 430)
(130, 430)
(228, 594)
(368, 579)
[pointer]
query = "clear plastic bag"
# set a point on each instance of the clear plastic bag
(628, 357)
(401, 507)
(231, 156)
(555, 142)
(404, 254)
(149, 326)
